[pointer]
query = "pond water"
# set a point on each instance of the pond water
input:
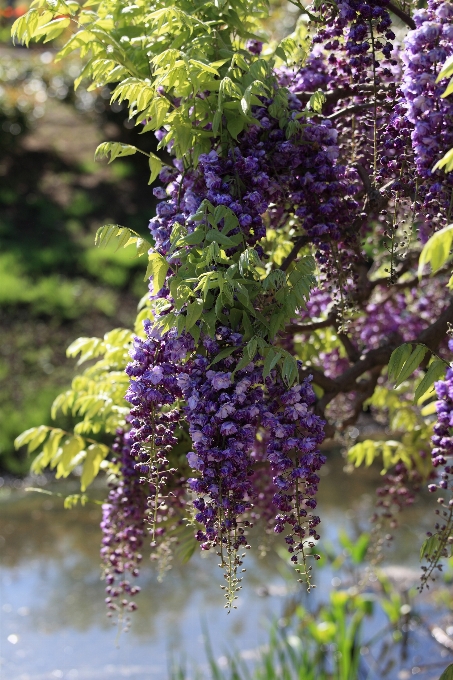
(53, 622)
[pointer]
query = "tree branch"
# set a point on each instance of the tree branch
(431, 337)
(351, 350)
(401, 14)
(300, 242)
(364, 176)
(367, 390)
(319, 378)
(308, 327)
(350, 109)
(348, 92)
(375, 359)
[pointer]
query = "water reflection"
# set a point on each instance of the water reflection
(53, 622)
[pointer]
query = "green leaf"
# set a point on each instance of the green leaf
(89, 348)
(411, 364)
(69, 450)
(365, 451)
(289, 370)
(71, 501)
(219, 305)
(24, 27)
(235, 318)
(249, 260)
(429, 410)
(192, 239)
(399, 357)
(449, 90)
(235, 124)
(194, 312)
(40, 435)
(360, 548)
(186, 548)
(49, 450)
(157, 271)
(316, 101)
(222, 354)
(286, 48)
(251, 347)
(437, 250)
(216, 121)
(228, 88)
(430, 546)
(448, 673)
(244, 361)
(94, 457)
(434, 372)
(114, 150)
(445, 162)
(247, 326)
(155, 166)
(26, 437)
(272, 357)
(446, 71)
(204, 67)
(62, 402)
(214, 235)
(275, 323)
(195, 332)
(209, 321)
(53, 29)
(275, 279)
(125, 237)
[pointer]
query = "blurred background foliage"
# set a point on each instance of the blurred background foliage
(54, 284)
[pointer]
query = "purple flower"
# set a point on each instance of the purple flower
(219, 381)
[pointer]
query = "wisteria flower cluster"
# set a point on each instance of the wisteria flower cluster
(153, 394)
(442, 439)
(426, 50)
(282, 265)
(123, 528)
(356, 21)
(228, 410)
(261, 174)
(442, 463)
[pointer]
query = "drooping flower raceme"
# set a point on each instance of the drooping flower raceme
(123, 528)
(442, 439)
(426, 50)
(153, 394)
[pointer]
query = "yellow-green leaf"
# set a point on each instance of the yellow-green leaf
(155, 166)
(437, 250)
(411, 364)
(399, 357)
(70, 448)
(445, 162)
(114, 150)
(447, 70)
(94, 456)
(194, 312)
(434, 372)
(157, 271)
